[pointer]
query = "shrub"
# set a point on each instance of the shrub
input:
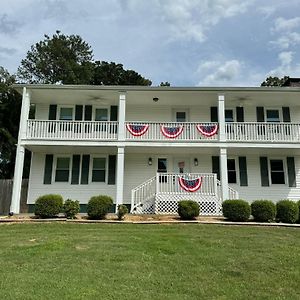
(122, 211)
(236, 210)
(188, 209)
(48, 206)
(287, 211)
(263, 210)
(99, 206)
(71, 208)
(299, 211)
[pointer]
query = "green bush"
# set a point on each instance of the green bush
(236, 210)
(48, 206)
(287, 211)
(299, 211)
(122, 211)
(71, 208)
(188, 209)
(99, 206)
(263, 210)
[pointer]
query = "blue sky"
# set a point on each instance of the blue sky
(185, 42)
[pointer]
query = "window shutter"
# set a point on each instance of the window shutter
(286, 117)
(216, 165)
(85, 168)
(214, 114)
(75, 169)
(78, 112)
(88, 113)
(264, 171)
(291, 171)
(112, 169)
(52, 112)
(240, 114)
(48, 168)
(243, 171)
(114, 113)
(260, 116)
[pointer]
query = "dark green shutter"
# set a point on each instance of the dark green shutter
(52, 112)
(112, 169)
(214, 114)
(260, 116)
(88, 113)
(78, 112)
(240, 114)
(85, 167)
(243, 171)
(48, 168)
(264, 171)
(286, 117)
(291, 171)
(114, 113)
(216, 165)
(75, 169)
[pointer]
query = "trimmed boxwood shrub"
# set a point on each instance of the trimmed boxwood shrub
(99, 206)
(236, 210)
(71, 208)
(287, 211)
(188, 209)
(48, 206)
(263, 210)
(122, 211)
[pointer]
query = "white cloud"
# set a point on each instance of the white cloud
(282, 24)
(288, 40)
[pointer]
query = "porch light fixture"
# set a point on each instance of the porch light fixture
(195, 161)
(155, 99)
(150, 161)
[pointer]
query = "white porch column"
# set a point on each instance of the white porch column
(223, 173)
(19, 163)
(120, 176)
(121, 116)
(221, 117)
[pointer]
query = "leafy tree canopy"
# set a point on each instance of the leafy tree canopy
(165, 83)
(274, 81)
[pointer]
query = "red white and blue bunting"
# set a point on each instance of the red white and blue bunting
(208, 130)
(190, 185)
(137, 129)
(171, 132)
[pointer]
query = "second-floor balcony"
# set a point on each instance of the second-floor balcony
(172, 132)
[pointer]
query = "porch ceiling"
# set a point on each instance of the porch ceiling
(71, 149)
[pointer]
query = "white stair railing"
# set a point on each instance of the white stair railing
(232, 193)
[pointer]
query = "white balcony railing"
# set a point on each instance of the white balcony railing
(72, 130)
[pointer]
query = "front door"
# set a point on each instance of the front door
(181, 165)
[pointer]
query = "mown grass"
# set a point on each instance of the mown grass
(192, 261)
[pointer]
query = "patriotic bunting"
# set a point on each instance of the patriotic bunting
(137, 130)
(171, 132)
(207, 130)
(190, 185)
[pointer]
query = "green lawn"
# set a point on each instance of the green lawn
(112, 261)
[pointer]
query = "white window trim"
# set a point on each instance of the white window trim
(101, 107)
(284, 170)
(175, 110)
(237, 170)
(65, 106)
(233, 113)
(92, 156)
(273, 108)
(55, 157)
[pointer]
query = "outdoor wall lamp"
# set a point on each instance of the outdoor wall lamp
(155, 99)
(195, 161)
(150, 161)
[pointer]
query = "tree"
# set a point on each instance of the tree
(274, 81)
(114, 74)
(165, 83)
(60, 59)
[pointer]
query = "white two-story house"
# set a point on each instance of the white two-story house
(149, 147)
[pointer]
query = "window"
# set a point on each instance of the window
(231, 170)
(180, 116)
(62, 169)
(229, 115)
(162, 168)
(273, 115)
(98, 173)
(277, 171)
(66, 113)
(101, 114)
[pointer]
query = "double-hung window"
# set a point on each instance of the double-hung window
(66, 114)
(62, 169)
(277, 171)
(98, 172)
(231, 169)
(273, 115)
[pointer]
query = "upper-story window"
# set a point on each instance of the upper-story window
(229, 115)
(273, 115)
(101, 114)
(66, 113)
(180, 116)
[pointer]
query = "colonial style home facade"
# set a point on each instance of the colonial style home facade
(149, 147)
